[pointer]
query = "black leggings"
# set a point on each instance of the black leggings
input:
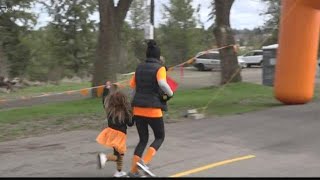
(157, 126)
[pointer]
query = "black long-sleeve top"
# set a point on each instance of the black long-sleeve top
(120, 126)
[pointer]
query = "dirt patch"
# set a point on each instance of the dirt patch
(55, 125)
(42, 127)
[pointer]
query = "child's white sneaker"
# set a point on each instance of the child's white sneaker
(120, 174)
(102, 159)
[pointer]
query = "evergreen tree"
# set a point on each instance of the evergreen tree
(178, 33)
(74, 40)
(15, 23)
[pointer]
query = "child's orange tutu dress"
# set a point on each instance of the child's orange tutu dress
(115, 135)
(112, 138)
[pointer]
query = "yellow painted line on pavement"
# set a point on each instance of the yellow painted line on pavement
(209, 166)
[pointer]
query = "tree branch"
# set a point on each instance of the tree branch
(123, 8)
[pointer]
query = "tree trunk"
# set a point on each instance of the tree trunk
(230, 71)
(108, 50)
(3, 63)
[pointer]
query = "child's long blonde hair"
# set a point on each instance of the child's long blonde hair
(118, 107)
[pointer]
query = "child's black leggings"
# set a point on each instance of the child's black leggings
(117, 157)
(157, 126)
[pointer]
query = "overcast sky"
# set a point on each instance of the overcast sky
(244, 13)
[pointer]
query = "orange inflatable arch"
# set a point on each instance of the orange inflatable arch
(295, 71)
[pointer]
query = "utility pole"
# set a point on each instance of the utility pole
(149, 28)
(152, 13)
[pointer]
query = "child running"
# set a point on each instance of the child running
(114, 136)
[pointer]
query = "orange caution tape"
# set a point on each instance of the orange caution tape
(84, 92)
(69, 92)
(100, 91)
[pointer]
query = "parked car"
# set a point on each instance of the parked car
(254, 57)
(275, 46)
(210, 60)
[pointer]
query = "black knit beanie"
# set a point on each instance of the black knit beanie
(153, 51)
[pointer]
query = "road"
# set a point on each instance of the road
(278, 142)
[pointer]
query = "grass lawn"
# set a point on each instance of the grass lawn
(232, 99)
(85, 114)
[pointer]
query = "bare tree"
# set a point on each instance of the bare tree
(112, 18)
(224, 36)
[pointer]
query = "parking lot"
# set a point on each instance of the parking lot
(192, 78)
